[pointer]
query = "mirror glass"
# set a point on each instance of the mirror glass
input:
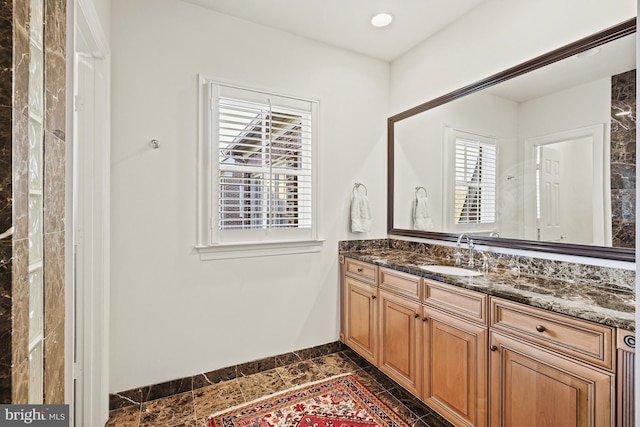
(543, 160)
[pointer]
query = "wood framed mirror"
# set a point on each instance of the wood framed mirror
(538, 157)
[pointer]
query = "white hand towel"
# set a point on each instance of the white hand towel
(421, 218)
(360, 214)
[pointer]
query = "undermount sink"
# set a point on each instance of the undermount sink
(450, 270)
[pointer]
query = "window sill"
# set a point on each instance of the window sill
(257, 249)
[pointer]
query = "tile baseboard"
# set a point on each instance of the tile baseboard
(140, 395)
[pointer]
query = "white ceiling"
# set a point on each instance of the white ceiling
(347, 23)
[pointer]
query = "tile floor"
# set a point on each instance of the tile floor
(192, 408)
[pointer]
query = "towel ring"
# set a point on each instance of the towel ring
(423, 189)
(358, 185)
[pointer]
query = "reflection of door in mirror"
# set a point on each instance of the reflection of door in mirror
(549, 187)
(564, 186)
(569, 180)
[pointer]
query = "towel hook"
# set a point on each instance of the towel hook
(358, 185)
(418, 188)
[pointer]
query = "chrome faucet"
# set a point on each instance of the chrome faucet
(471, 262)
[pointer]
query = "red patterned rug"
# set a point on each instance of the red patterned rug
(337, 402)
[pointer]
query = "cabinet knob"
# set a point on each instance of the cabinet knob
(360, 269)
(416, 315)
(424, 319)
(540, 328)
(373, 297)
(493, 347)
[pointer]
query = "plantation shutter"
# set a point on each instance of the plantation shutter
(264, 148)
(475, 181)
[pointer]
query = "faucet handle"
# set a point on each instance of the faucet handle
(485, 262)
(457, 257)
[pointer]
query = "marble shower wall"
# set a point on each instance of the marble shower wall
(54, 197)
(623, 159)
(6, 61)
(14, 250)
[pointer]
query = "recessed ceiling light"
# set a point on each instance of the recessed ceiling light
(381, 20)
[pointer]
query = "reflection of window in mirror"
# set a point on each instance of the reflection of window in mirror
(471, 172)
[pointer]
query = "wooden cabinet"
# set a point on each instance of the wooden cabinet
(359, 308)
(549, 369)
(400, 328)
(361, 317)
(484, 361)
(532, 387)
(454, 353)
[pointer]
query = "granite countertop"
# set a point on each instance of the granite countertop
(608, 305)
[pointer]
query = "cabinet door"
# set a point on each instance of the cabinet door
(399, 332)
(531, 387)
(361, 318)
(455, 368)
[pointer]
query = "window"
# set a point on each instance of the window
(257, 172)
(473, 182)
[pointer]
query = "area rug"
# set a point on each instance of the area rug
(340, 401)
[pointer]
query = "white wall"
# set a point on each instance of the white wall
(172, 315)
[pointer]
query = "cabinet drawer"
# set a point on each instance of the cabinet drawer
(587, 341)
(402, 283)
(468, 304)
(361, 270)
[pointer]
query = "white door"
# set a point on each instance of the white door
(550, 188)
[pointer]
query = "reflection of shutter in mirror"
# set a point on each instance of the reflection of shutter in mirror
(475, 180)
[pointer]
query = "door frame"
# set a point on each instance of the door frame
(601, 186)
(87, 226)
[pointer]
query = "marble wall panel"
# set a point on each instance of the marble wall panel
(54, 183)
(54, 281)
(54, 197)
(14, 286)
(20, 332)
(6, 251)
(361, 245)
(6, 69)
(55, 66)
(21, 57)
(54, 366)
(623, 159)
(20, 392)
(19, 168)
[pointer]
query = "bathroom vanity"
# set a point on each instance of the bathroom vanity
(499, 348)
